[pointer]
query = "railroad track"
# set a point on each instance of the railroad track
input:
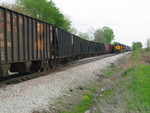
(17, 78)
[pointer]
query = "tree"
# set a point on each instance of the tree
(98, 36)
(14, 7)
(108, 34)
(84, 36)
(46, 11)
(136, 45)
(73, 30)
(104, 35)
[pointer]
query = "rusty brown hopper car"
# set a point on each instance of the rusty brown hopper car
(24, 42)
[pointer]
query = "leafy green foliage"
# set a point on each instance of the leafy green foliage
(136, 45)
(46, 11)
(84, 36)
(98, 36)
(108, 34)
(104, 35)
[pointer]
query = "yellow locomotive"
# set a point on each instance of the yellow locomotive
(119, 48)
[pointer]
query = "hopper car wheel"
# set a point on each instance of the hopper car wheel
(51, 64)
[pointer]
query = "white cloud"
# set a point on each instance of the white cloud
(128, 18)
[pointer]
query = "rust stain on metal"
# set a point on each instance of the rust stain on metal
(20, 21)
(1, 25)
(51, 34)
(2, 44)
(8, 17)
(40, 45)
(8, 44)
(1, 35)
(15, 28)
(14, 19)
(8, 27)
(1, 16)
(40, 28)
(14, 22)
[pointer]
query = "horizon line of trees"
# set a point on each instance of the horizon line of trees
(104, 34)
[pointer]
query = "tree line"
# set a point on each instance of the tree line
(43, 10)
(139, 46)
(104, 35)
(49, 12)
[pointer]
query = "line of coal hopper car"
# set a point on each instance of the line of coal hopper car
(29, 44)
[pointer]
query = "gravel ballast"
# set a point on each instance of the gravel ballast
(37, 94)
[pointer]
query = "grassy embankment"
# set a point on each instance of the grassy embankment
(131, 92)
(138, 85)
(138, 88)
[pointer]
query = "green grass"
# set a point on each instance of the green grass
(127, 71)
(135, 55)
(110, 71)
(139, 89)
(86, 102)
(83, 106)
(94, 88)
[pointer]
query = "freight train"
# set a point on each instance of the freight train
(118, 47)
(29, 44)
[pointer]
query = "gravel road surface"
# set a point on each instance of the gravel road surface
(36, 94)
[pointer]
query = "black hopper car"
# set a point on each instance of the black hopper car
(28, 44)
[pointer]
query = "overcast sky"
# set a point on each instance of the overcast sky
(129, 19)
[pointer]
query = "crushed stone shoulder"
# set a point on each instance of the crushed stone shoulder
(36, 94)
